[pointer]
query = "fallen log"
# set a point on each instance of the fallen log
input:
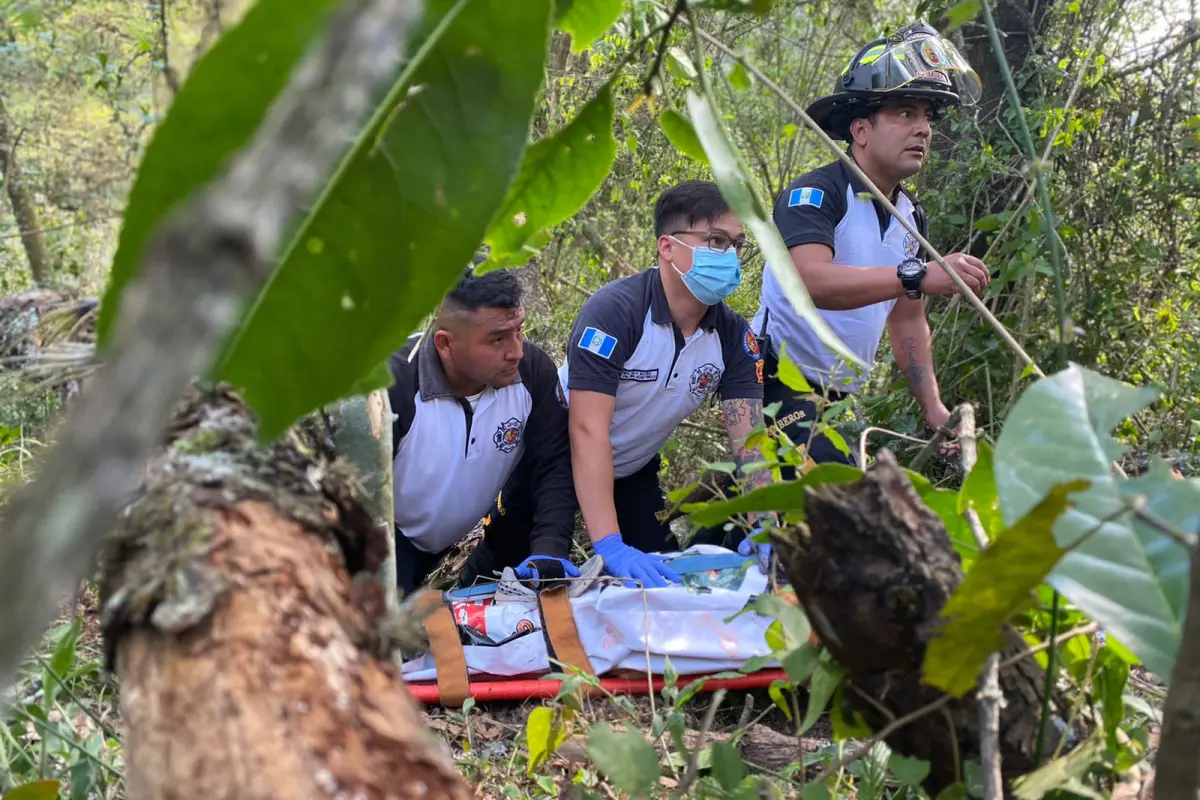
(873, 566)
(241, 610)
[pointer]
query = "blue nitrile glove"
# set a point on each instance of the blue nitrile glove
(763, 550)
(545, 569)
(623, 561)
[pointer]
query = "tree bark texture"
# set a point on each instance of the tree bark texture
(1178, 775)
(241, 610)
(873, 566)
(24, 210)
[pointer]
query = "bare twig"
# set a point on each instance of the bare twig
(939, 436)
(210, 255)
(1178, 769)
(887, 731)
(1082, 630)
(648, 88)
(169, 73)
(990, 698)
(862, 441)
(693, 769)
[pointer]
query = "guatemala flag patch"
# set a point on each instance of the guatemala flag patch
(808, 196)
(598, 342)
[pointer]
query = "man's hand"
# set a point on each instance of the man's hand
(623, 561)
(973, 272)
(545, 570)
(936, 417)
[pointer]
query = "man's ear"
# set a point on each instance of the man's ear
(666, 247)
(441, 342)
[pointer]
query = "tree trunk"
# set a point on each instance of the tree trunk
(24, 210)
(242, 613)
(873, 566)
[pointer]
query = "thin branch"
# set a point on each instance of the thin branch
(212, 254)
(169, 73)
(990, 697)
(1082, 630)
(693, 769)
(965, 290)
(887, 731)
(862, 441)
(648, 87)
(1187, 40)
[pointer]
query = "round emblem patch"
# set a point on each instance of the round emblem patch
(704, 380)
(930, 54)
(910, 245)
(508, 435)
(750, 344)
(524, 626)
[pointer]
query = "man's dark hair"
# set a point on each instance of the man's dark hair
(685, 204)
(496, 289)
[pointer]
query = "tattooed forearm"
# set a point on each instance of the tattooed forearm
(741, 417)
(915, 370)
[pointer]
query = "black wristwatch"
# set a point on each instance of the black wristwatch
(911, 272)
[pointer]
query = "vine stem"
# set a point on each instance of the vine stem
(965, 290)
(1035, 167)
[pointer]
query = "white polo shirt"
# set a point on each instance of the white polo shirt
(831, 206)
(626, 344)
(452, 455)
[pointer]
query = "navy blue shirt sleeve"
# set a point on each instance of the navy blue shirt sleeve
(603, 338)
(809, 209)
(743, 376)
(548, 449)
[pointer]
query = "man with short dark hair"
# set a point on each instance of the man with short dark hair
(644, 353)
(859, 264)
(478, 408)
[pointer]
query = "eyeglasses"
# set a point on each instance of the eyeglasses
(717, 241)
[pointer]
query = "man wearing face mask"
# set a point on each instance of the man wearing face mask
(644, 353)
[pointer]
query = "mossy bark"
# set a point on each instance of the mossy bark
(241, 610)
(873, 567)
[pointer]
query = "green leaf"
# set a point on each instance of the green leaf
(816, 790)
(740, 192)
(587, 20)
(909, 771)
(1051, 776)
(775, 692)
(557, 176)
(1000, 584)
(800, 663)
(727, 765)
(825, 682)
(400, 221)
(845, 721)
(785, 496)
(789, 374)
(681, 134)
(81, 780)
(979, 492)
(543, 735)
(626, 758)
(1110, 680)
(739, 78)
(944, 503)
(1127, 576)
(214, 114)
(37, 790)
(793, 621)
(961, 13)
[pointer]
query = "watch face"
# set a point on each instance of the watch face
(911, 269)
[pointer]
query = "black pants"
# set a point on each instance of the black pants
(799, 415)
(637, 497)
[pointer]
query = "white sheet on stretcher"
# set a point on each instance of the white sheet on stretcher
(619, 627)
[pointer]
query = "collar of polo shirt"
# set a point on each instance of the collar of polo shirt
(660, 309)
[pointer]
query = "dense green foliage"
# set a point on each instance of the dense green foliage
(527, 127)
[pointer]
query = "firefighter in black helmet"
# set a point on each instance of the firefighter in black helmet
(863, 270)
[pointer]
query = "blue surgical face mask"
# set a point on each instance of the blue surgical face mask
(713, 276)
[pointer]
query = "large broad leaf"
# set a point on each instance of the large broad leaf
(587, 20)
(626, 758)
(1128, 576)
(1000, 584)
(215, 113)
(740, 192)
(786, 496)
(402, 219)
(557, 177)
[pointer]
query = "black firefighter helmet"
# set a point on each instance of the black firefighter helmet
(914, 62)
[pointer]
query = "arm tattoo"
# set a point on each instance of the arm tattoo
(915, 370)
(750, 412)
(737, 410)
